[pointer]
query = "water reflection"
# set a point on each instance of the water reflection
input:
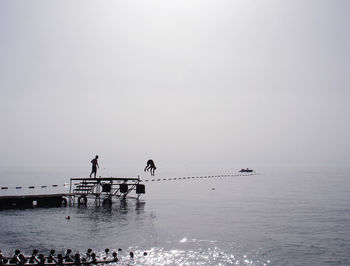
(119, 211)
(121, 224)
(140, 207)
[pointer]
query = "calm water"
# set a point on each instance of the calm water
(282, 216)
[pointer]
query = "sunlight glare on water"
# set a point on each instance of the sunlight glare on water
(160, 256)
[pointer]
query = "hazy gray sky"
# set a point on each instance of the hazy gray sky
(178, 81)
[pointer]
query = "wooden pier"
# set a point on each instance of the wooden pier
(29, 201)
(102, 190)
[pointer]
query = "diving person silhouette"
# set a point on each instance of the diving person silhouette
(150, 166)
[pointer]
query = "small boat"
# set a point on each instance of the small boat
(245, 170)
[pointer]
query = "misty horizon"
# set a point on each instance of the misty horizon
(183, 82)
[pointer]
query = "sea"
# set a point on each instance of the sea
(280, 215)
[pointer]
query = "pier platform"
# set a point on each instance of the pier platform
(105, 189)
(30, 201)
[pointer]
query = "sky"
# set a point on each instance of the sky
(182, 82)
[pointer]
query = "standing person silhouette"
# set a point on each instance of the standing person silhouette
(150, 166)
(94, 166)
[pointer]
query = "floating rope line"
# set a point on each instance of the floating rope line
(146, 180)
(195, 177)
(33, 187)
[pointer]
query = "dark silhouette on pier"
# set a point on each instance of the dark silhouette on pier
(150, 166)
(94, 166)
